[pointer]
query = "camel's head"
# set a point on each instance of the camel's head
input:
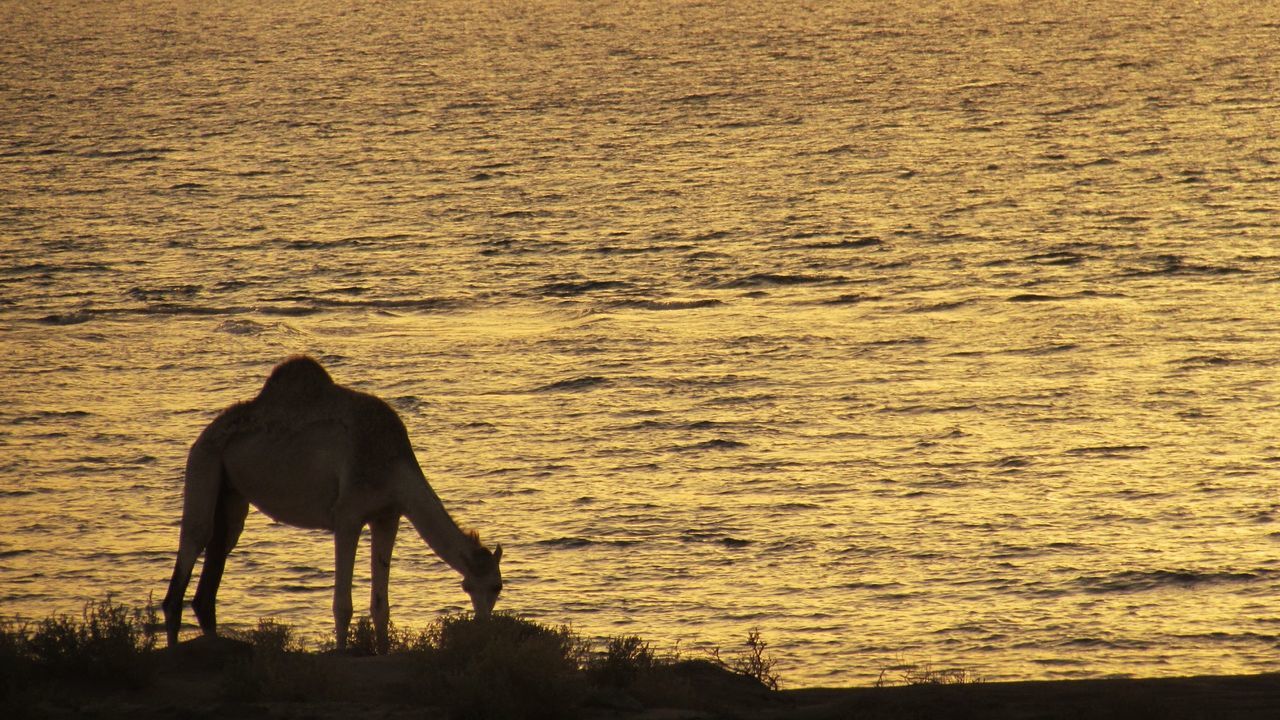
(483, 579)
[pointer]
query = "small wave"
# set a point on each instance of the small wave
(574, 541)
(847, 244)
(938, 307)
(168, 292)
(242, 327)
(717, 444)
(1203, 361)
(164, 308)
(702, 536)
(757, 280)
(586, 382)
(289, 310)
(641, 249)
(1104, 643)
(797, 506)
(700, 98)
(680, 425)
(565, 542)
(296, 588)
(172, 308)
(1176, 265)
(416, 304)
(42, 415)
(850, 299)
(1144, 580)
(925, 409)
(1056, 258)
(407, 403)
(1229, 638)
(572, 289)
(1043, 349)
(72, 318)
(1012, 462)
(1074, 109)
(1034, 297)
(869, 585)
(139, 154)
(661, 305)
(1108, 450)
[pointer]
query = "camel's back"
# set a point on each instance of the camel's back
(298, 397)
(306, 441)
(298, 379)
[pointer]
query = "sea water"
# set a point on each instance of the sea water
(925, 332)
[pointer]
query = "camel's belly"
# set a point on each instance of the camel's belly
(292, 476)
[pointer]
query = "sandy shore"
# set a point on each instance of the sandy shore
(195, 682)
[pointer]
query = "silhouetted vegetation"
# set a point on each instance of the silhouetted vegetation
(503, 667)
(270, 661)
(108, 643)
(754, 663)
(362, 638)
(911, 674)
(625, 659)
(104, 664)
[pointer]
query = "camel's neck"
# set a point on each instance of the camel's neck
(436, 526)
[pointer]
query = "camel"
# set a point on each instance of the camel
(314, 454)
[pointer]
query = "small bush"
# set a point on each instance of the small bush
(274, 637)
(505, 667)
(753, 662)
(110, 642)
(15, 665)
(361, 638)
(276, 668)
(925, 674)
(625, 659)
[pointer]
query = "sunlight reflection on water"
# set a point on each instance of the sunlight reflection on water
(900, 332)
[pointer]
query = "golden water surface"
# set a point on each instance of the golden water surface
(901, 331)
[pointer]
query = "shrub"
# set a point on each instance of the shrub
(625, 659)
(273, 637)
(505, 667)
(15, 665)
(361, 638)
(926, 674)
(276, 667)
(110, 642)
(753, 663)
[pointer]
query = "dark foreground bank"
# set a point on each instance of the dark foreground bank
(106, 665)
(224, 679)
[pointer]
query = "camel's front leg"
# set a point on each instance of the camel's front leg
(383, 532)
(344, 546)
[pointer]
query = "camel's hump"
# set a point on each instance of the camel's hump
(298, 376)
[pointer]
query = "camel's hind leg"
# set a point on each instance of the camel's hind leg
(201, 489)
(227, 525)
(344, 550)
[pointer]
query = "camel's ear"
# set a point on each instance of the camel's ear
(497, 553)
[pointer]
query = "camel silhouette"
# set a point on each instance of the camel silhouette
(311, 453)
